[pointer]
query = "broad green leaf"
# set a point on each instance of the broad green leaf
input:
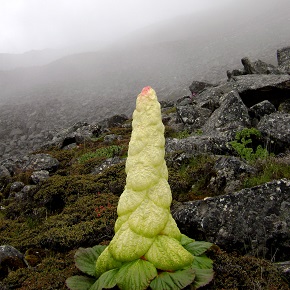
(185, 240)
(79, 282)
(136, 275)
(173, 281)
(197, 248)
(168, 254)
(202, 277)
(85, 259)
(106, 280)
(202, 262)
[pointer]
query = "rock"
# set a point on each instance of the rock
(283, 57)
(197, 87)
(258, 67)
(254, 221)
(230, 172)
(114, 121)
(74, 135)
(259, 110)
(192, 116)
(255, 88)
(284, 107)
(210, 98)
(276, 129)
(195, 145)
(107, 164)
(230, 117)
(111, 137)
(4, 176)
(34, 162)
(284, 268)
(10, 260)
(16, 186)
(42, 162)
(39, 176)
(166, 104)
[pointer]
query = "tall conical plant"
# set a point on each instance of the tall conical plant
(148, 250)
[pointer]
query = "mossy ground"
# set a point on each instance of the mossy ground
(74, 208)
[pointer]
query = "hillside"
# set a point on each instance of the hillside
(232, 194)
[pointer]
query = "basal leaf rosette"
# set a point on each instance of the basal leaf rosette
(147, 239)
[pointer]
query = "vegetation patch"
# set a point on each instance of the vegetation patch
(247, 146)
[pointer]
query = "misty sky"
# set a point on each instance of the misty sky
(39, 24)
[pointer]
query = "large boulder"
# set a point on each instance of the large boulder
(230, 117)
(256, 88)
(253, 221)
(276, 129)
(258, 67)
(195, 145)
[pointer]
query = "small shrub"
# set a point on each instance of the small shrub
(107, 152)
(245, 147)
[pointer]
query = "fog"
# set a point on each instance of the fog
(80, 25)
(67, 61)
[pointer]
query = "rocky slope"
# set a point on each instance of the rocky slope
(64, 195)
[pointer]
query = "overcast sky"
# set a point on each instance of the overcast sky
(39, 24)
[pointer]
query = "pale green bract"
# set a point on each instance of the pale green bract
(145, 226)
(148, 249)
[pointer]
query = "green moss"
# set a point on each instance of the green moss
(270, 169)
(170, 111)
(190, 180)
(243, 272)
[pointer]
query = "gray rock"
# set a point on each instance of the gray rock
(197, 87)
(276, 129)
(31, 162)
(230, 117)
(75, 134)
(230, 171)
(114, 121)
(41, 162)
(210, 98)
(195, 145)
(111, 137)
(259, 110)
(10, 260)
(254, 221)
(16, 186)
(284, 107)
(259, 67)
(39, 176)
(283, 57)
(255, 88)
(107, 164)
(284, 269)
(5, 176)
(192, 116)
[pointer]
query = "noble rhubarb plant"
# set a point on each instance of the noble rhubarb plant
(148, 251)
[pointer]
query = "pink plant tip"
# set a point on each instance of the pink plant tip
(145, 90)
